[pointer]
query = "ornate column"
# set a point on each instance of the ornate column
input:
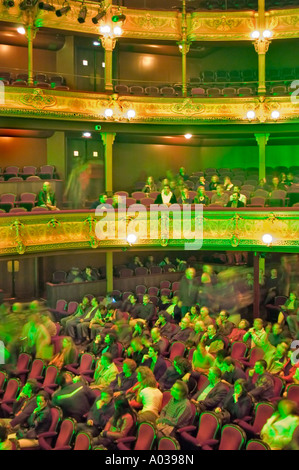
(108, 140)
(109, 271)
(29, 17)
(256, 285)
(108, 44)
(261, 46)
(262, 140)
(184, 48)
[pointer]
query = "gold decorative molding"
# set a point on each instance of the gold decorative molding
(73, 106)
(44, 233)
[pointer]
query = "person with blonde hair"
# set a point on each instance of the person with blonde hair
(148, 395)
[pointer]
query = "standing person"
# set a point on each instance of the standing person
(46, 197)
(188, 290)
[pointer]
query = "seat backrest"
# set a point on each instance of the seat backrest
(153, 291)
(61, 305)
(36, 369)
(232, 437)
(49, 169)
(238, 349)
(56, 414)
(66, 432)
(209, 426)
(263, 411)
(28, 197)
(141, 289)
(24, 360)
(3, 379)
(12, 170)
(165, 398)
(145, 437)
(12, 389)
(165, 284)
(293, 393)
(83, 441)
(168, 443)
(177, 349)
(156, 270)
(141, 271)
(257, 444)
(86, 362)
(255, 355)
(72, 307)
(8, 197)
(51, 375)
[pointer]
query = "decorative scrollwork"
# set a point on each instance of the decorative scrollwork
(53, 223)
(20, 246)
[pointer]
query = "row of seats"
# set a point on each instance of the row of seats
(39, 79)
(210, 4)
(44, 172)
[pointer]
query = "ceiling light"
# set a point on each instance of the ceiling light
(117, 31)
(105, 29)
(21, 30)
(86, 134)
(275, 114)
(131, 114)
(250, 115)
(131, 238)
(188, 136)
(85, 62)
(255, 34)
(267, 238)
(96, 43)
(267, 34)
(108, 113)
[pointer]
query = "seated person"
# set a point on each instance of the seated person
(146, 309)
(164, 324)
(74, 275)
(202, 360)
(242, 197)
(181, 264)
(150, 262)
(38, 422)
(180, 370)
(276, 357)
(235, 202)
(125, 379)
(224, 326)
(276, 184)
(271, 286)
(118, 426)
(102, 200)
(177, 413)
(237, 404)
(149, 186)
(105, 373)
(148, 395)
(214, 183)
(110, 345)
(220, 197)
(66, 355)
(184, 198)
(166, 196)
(196, 334)
(201, 197)
(131, 306)
(98, 415)
(164, 302)
(263, 388)
(257, 334)
(137, 350)
(157, 340)
(205, 316)
(227, 184)
(237, 334)
(183, 333)
(279, 428)
(46, 197)
(213, 395)
(5, 443)
(74, 397)
(231, 372)
(154, 361)
(135, 263)
(24, 405)
(89, 274)
(212, 340)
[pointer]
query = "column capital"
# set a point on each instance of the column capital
(108, 137)
(262, 46)
(262, 139)
(108, 43)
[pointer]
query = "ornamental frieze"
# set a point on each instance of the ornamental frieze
(37, 99)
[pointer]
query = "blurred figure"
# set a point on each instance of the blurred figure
(150, 185)
(279, 429)
(46, 197)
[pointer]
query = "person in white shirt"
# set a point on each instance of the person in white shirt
(166, 196)
(279, 429)
(242, 197)
(148, 395)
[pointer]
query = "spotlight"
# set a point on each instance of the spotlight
(82, 15)
(267, 239)
(117, 18)
(108, 113)
(275, 114)
(8, 3)
(63, 11)
(131, 238)
(267, 34)
(46, 6)
(188, 136)
(86, 134)
(96, 43)
(21, 30)
(105, 29)
(27, 4)
(97, 18)
(117, 31)
(250, 115)
(131, 114)
(255, 34)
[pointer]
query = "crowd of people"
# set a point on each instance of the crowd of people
(134, 349)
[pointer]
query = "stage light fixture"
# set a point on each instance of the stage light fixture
(131, 114)
(117, 31)
(21, 30)
(275, 114)
(267, 34)
(108, 113)
(267, 239)
(27, 4)
(117, 18)
(131, 238)
(46, 6)
(82, 15)
(250, 115)
(63, 11)
(97, 18)
(255, 34)
(105, 29)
